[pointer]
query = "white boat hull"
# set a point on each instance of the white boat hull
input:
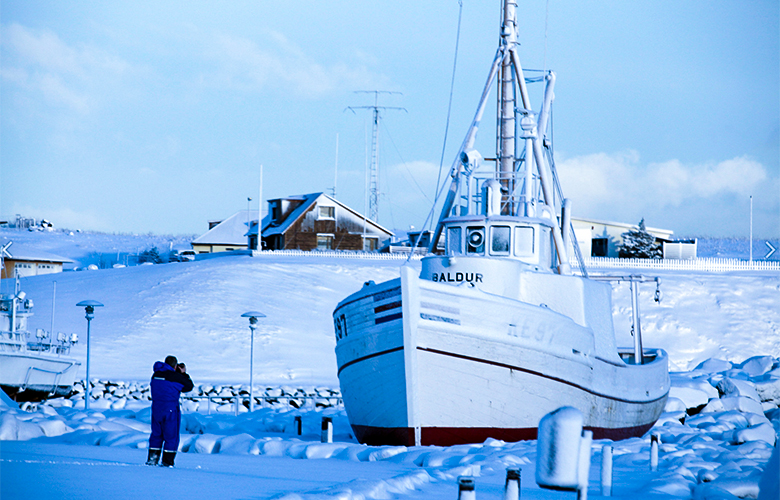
(422, 362)
(25, 371)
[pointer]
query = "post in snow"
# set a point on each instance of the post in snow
(606, 470)
(298, 425)
(654, 439)
(466, 488)
(512, 485)
(327, 430)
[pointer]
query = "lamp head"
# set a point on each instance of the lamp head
(89, 306)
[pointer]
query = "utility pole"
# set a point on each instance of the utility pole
(373, 173)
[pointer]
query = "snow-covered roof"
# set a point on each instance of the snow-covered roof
(621, 225)
(308, 201)
(31, 254)
(231, 231)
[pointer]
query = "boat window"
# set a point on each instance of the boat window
(524, 241)
(475, 240)
(499, 240)
(453, 241)
(546, 248)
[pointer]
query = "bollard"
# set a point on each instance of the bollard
(298, 425)
(237, 404)
(512, 485)
(558, 449)
(654, 438)
(327, 430)
(606, 470)
(583, 471)
(466, 487)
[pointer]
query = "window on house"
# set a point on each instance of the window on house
(370, 244)
(327, 212)
(599, 247)
(324, 242)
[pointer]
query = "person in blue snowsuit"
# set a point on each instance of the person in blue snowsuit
(169, 380)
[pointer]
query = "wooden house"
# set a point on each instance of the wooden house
(316, 222)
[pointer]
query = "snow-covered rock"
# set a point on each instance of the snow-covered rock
(714, 365)
(730, 403)
(757, 365)
(762, 432)
(768, 388)
(690, 397)
(736, 387)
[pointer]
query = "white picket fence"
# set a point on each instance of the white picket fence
(335, 254)
(700, 264)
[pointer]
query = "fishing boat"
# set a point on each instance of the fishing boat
(495, 330)
(32, 366)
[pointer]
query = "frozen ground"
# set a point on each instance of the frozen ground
(193, 310)
(716, 444)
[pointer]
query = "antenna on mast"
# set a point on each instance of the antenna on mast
(373, 173)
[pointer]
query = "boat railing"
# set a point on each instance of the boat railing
(639, 356)
(57, 376)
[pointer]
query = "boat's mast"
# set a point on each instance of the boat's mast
(506, 98)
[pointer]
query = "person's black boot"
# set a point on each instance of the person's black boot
(154, 456)
(167, 458)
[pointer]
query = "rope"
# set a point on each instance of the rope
(449, 105)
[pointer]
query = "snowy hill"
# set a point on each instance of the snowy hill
(193, 310)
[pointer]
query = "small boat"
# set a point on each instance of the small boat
(496, 330)
(32, 366)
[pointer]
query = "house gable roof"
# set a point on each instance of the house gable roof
(231, 231)
(309, 200)
(20, 252)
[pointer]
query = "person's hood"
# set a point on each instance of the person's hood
(162, 366)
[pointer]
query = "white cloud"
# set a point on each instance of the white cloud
(41, 62)
(280, 63)
(619, 186)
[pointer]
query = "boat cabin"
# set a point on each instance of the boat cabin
(528, 240)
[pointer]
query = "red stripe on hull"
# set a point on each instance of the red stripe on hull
(449, 436)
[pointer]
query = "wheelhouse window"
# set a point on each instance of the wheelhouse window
(453, 241)
(475, 240)
(327, 212)
(500, 237)
(524, 241)
(324, 242)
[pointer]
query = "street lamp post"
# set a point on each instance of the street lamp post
(89, 306)
(252, 315)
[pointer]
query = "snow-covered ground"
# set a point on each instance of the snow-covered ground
(193, 310)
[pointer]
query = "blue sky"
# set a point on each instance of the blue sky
(156, 116)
